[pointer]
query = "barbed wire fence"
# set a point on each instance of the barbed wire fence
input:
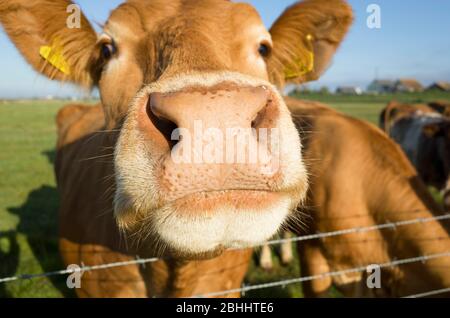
(325, 275)
(285, 282)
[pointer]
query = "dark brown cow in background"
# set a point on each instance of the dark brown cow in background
(424, 135)
(442, 107)
(395, 111)
(162, 65)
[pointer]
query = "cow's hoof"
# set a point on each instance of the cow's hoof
(285, 261)
(265, 258)
(266, 265)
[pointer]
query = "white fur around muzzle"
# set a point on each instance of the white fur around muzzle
(227, 228)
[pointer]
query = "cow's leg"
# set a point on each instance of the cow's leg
(265, 258)
(286, 249)
(313, 262)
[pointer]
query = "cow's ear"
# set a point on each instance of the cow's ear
(53, 36)
(305, 39)
(432, 130)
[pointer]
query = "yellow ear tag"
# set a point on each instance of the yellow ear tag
(298, 67)
(54, 56)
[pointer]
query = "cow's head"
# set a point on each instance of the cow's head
(208, 156)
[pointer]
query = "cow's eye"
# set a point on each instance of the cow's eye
(108, 50)
(265, 49)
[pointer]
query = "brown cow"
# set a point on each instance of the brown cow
(359, 177)
(424, 135)
(161, 67)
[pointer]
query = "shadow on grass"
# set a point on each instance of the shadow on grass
(38, 222)
(51, 155)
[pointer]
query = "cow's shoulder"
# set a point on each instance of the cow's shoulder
(300, 106)
(317, 117)
(335, 132)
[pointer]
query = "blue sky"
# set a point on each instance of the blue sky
(413, 42)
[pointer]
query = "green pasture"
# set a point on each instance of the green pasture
(29, 200)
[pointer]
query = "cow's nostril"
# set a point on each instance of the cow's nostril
(256, 122)
(164, 125)
(266, 111)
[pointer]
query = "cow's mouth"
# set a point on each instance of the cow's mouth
(204, 203)
(209, 222)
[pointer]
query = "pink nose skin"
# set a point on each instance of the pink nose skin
(216, 109)
(215, 149)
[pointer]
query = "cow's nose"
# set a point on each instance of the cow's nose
(227, 138)
(219, 108)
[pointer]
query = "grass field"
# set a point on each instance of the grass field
(29, 200)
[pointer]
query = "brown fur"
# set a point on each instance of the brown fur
(359, 177)
(290, 33)
(34, 23)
